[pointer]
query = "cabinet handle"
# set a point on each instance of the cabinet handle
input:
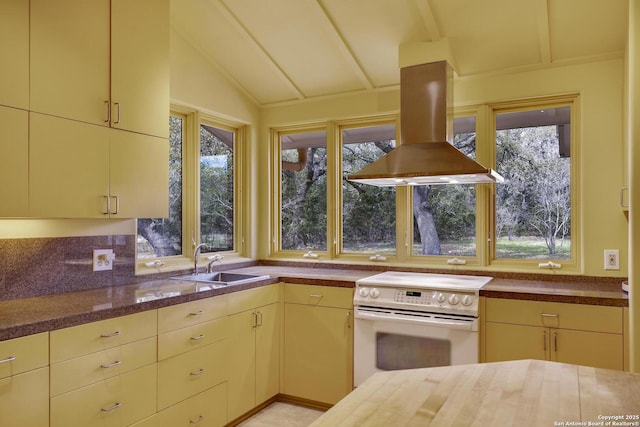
(259, 318)
(555, 341)
(254, 320)
(196, 313)
(117, 199)
(108, 104)
(108, 205)
(349, 319)
(199, 420)
(198, 372)
(549, 315)
(8, 359)
(112, 365)
(117, 104)
(116, 406)
(111, 335)
(198, 338)
(544, 340)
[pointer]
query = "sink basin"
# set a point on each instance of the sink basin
(221, 278)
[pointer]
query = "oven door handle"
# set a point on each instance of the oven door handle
(442, 323)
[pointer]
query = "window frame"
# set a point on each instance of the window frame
(484, 258)
(192, 119)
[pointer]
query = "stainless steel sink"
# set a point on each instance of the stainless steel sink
(221, 278)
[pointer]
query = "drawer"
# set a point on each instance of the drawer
(118, 401)
(555, 315)
(186, 339)
(207, 409)
(96, 336)
(325, 296)
(191, 373)
(75, 373)
(24, 354)
(252, 298)
(24, 399)
(191, 313)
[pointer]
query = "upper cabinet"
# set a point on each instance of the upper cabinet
(102, 62)
(14, 157)
(14, 51)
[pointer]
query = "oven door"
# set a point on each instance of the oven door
(396, 339)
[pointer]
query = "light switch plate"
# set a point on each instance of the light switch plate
(103, 259)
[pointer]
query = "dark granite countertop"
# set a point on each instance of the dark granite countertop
(28, 316)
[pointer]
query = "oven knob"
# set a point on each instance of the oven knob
(441, 297)
(467, 300)
(454, 299)
(363, 292)
(374, 293)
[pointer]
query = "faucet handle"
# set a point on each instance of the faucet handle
(214, 258)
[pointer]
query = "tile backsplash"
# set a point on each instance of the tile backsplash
(44, 266)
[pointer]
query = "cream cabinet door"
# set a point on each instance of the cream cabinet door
(267, 352)
(140, 66)
(513, 342)
(318, 352)
(24, 399)
(14, 158)
(597, 349)
(68, 168)
(69, 59)
(139, 184)
(242, 363)
(14, 51)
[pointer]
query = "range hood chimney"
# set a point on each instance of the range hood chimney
(424, 156)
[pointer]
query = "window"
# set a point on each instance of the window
(304, 191)
(444, 216)
(533, 206)
(203, 155)
(368, 212)
(216, 188)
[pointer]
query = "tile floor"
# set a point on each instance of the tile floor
(280, 414)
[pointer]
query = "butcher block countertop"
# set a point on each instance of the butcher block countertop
(516, 393)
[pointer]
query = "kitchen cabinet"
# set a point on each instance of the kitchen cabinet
(102, 62)
(568, 333)
(14, 158)
(14, 51)
(254, 348)
(79, 170)
(104, 373)
(192, 364)
(24, 381)
(318, 342)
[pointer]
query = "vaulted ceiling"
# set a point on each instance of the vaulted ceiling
(281, 51)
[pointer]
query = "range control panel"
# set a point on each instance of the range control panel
(446, 301)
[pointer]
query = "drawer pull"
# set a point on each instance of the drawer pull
(112, 365)
(196, 313)
(114, 334)
(198, 372)
(8, 359)
(198, 338)
(549, 315)
(116, 406)
(198, 421)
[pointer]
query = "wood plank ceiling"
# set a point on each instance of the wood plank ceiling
(283, 51)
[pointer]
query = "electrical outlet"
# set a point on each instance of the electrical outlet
(103, 259)
(611, 259)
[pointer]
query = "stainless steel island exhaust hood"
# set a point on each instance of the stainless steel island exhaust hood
(424, 156)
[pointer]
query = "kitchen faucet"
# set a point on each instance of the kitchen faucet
(196, 252)
(214, 258)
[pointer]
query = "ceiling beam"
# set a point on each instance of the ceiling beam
(344, 48)
(235, 22)
(542, 9)
(429, 19)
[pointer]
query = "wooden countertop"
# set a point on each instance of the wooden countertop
(517, 393)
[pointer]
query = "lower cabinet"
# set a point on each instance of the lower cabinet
(568, 333)
(254, 346)
(318, 342)
(24, 381)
